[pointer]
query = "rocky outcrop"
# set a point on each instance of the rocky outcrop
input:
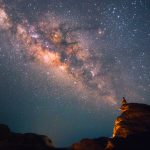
(132, 128)
(134, 119)
(27, 141)
(91, 144)
(131, 132)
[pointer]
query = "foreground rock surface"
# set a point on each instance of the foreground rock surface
(134, 119)
(131, 132)
(131, 128)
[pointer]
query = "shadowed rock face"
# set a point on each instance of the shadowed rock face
(91, 144)
(131, 132)
(4, 132)
(134, 119)
(27, 141)
(139, 141)
(132, 128)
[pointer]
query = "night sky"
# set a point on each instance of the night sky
(66, 64)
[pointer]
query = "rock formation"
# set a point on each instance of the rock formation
(27, 141)
(91, 144)
(135, 118)
(132, 128)
(131, 132)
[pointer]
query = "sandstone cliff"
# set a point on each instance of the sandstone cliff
(131, 128)
(134, 118)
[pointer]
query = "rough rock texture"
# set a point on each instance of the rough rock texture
(91, 144)
(134, 119)
(131, 132)
(140, 141)
(27, 141)
(132, 128)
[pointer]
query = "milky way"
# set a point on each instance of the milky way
(58, 43)
(60, 59)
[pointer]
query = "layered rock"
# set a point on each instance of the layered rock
(132, 128)
(134, 119)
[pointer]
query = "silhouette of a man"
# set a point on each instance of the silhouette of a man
(123, 101)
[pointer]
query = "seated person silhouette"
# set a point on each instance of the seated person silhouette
(123, 101)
